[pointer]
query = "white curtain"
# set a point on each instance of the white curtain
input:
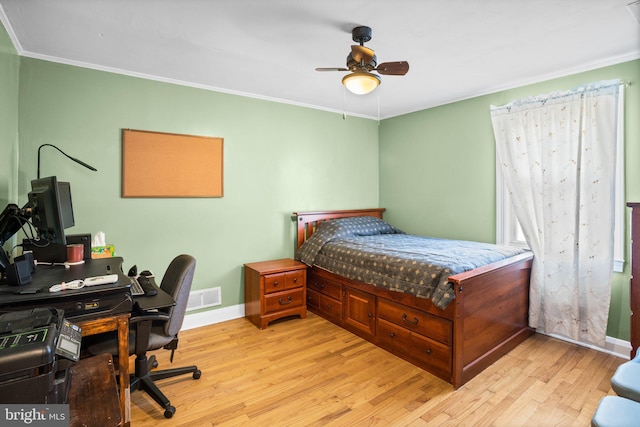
(557, 155)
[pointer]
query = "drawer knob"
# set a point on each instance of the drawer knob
(413, 322)
(295, 280)
(288, 301)
(319, 285)
(392, 335)
(428, 351)
(370, 314)
(275, 283)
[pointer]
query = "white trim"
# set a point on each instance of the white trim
(12, 34)
(495, 89)
(537, 79)
(212, 317)
(613, 346)
(619, 200)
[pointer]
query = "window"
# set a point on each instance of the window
(508, 231)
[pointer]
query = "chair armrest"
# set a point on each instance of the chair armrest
(149, 316)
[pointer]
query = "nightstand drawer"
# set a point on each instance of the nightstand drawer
(281, 281)
(283, 300)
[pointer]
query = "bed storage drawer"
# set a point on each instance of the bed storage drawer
(427, 353)
(326, 287)
(324, 305)
(418, 321)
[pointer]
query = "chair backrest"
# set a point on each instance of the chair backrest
(177, 283)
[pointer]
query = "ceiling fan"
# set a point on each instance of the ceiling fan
(362, 61)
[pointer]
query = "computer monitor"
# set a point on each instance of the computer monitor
(52, 210)
(64, 189)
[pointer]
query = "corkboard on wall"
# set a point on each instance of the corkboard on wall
(156, 164)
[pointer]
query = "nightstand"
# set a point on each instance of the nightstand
(273, 290)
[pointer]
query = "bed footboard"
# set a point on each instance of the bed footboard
(492, 312)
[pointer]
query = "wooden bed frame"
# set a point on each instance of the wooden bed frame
(487, 319)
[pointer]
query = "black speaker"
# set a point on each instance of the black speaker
(19, 273)
(28, 257)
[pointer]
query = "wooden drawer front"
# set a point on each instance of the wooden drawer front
(437, 357)
(295, 279)
(313, 299)
(283, 300)
(431, 355)
(330, 289)
(274, 282)
(331, 307)
(393, 336)
(423, 323)
(281, 281)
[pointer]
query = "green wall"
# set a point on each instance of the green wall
(437, 168)
(9, 64)
(278, 159)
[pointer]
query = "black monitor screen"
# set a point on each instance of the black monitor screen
(64, 189)
(52, 211)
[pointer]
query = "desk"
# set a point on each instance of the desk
(95, 309)
(85, 307)
(85, 303)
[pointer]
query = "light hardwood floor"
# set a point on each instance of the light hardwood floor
(303, 372)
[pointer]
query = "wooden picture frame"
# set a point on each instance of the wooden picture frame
(158, 164)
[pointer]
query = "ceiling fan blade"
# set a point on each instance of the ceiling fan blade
(398, 68)
(332, 69)
(361, 53)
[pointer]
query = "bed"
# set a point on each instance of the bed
(454, 329)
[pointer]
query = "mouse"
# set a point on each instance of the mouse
(133, 271)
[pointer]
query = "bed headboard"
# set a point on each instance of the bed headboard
(308, 221)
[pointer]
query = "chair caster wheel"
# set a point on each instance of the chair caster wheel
(168, 413)
(197, 374)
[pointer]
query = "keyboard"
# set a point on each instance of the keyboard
(141, 285)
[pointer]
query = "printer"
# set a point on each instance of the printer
(37, 349)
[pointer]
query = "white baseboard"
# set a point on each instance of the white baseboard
(614, 346)
(618, 347)
(211, 317)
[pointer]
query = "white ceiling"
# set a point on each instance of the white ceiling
(269, 49)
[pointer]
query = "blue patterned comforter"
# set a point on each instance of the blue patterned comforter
(369, 250)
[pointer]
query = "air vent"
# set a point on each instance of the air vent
(204, 298)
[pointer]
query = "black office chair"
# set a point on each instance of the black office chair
(154, 330)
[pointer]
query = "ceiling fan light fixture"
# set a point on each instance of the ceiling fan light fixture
(361, 82)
